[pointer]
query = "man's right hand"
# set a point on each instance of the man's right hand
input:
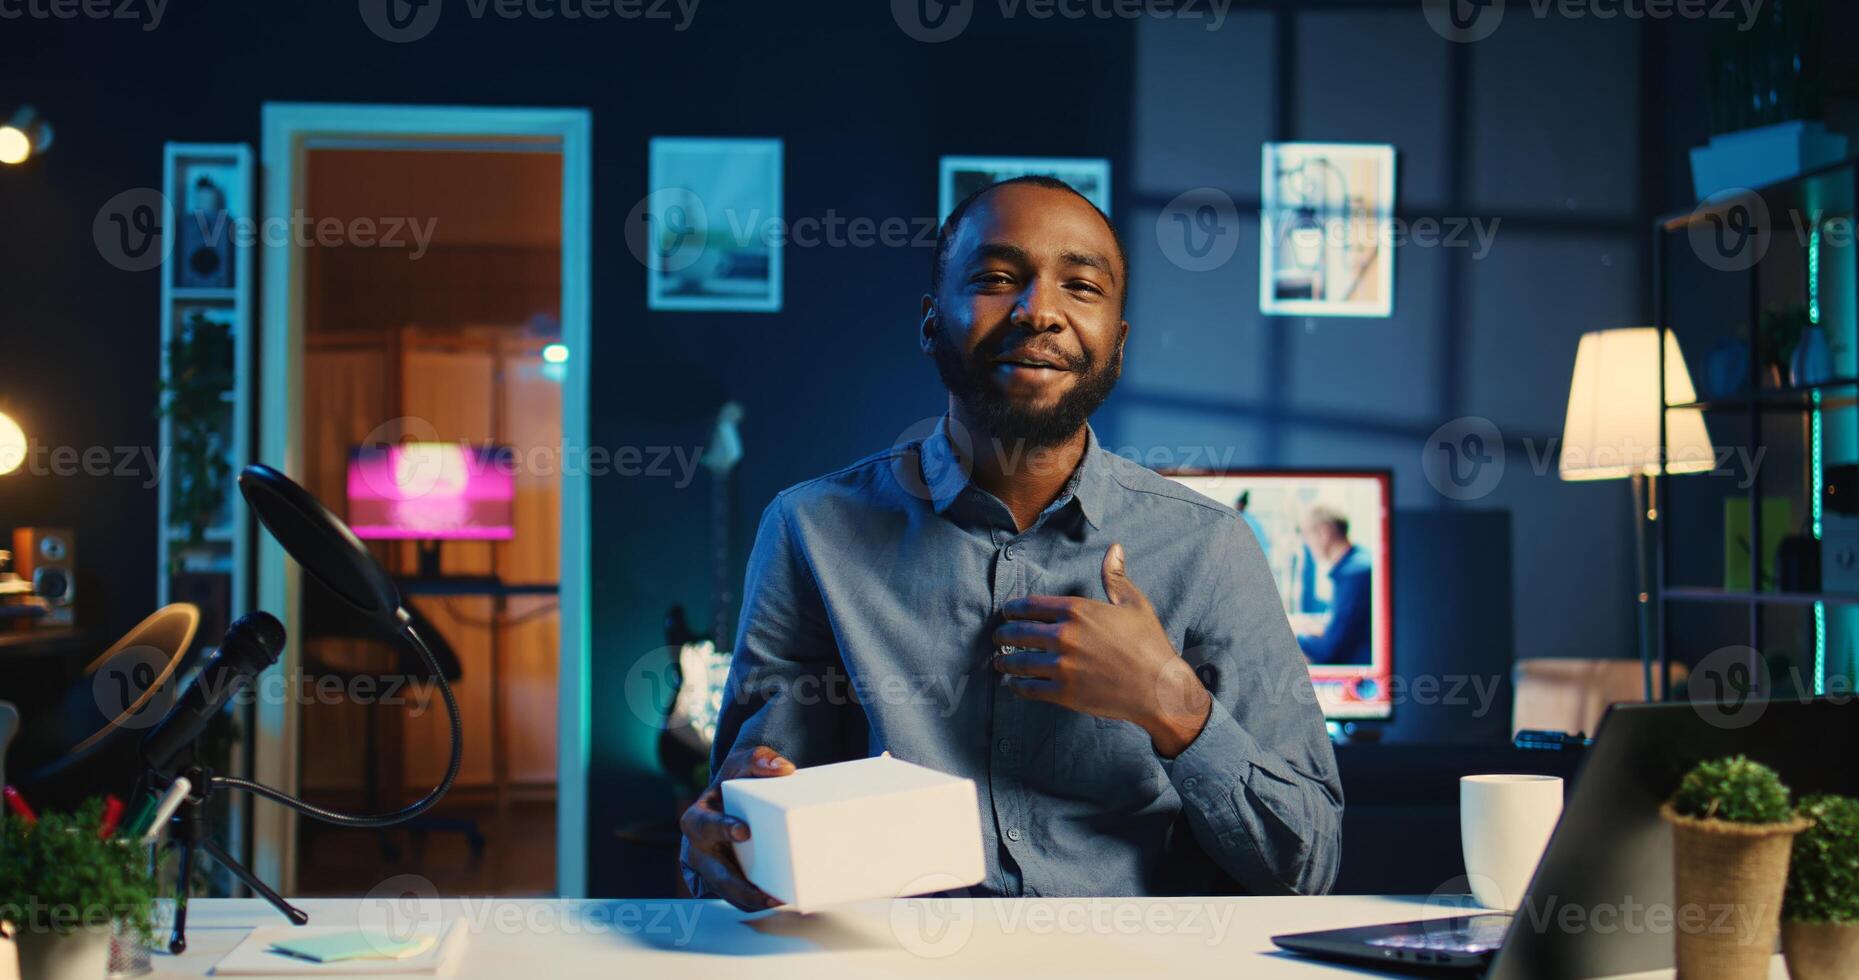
(708, 831)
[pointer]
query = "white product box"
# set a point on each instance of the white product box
(850, 831)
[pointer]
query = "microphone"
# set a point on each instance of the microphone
(253, 643)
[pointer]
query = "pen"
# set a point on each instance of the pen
(170, 802)
(112, 817)
(19, 806)
(139, 821)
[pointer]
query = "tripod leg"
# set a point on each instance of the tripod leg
(177, 939)
(296, 915)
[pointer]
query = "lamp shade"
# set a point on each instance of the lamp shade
(1612, 427)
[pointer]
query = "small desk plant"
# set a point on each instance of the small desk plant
(65, 885)
(1820, 914)
(1732, 830)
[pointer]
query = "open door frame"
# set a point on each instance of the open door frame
(288, 128)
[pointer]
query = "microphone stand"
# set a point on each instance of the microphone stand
(190, 833)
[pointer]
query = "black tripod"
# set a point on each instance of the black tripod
(189, 834)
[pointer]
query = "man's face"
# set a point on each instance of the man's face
(1319, 533)
(1028, 329)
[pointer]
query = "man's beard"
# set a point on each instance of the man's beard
(1015, 424)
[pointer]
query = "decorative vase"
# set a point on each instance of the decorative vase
(1821, 950)
(1733, 875)
(80, 955)
(1812, 362)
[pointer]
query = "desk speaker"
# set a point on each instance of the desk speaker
(46, 557)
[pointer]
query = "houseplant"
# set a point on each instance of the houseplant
(1820, 912)
(1732, 828)
(193, 399)
(64, 888)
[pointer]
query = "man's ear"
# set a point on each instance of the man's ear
(926, 328)
(1122, 338)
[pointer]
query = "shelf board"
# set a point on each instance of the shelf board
(1827, 189)
(202, 294)
(1701, 593)
(212, 535)
(1797, 398)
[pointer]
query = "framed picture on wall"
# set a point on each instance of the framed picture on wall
(712, 225)
(1326, 230)
(962, 176)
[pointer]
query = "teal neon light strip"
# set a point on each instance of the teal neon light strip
(1813, 316)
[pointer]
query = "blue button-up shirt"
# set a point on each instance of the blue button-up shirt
(870, 601)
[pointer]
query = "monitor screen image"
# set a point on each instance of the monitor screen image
(431, 491)
(1325, 536)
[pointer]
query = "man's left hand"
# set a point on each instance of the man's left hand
(1110, 659)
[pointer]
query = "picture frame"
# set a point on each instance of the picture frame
(960, 176)
(1326, 229)
(714, 223)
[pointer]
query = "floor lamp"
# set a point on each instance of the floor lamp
(1612, 431)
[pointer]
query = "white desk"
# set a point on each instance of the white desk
(539, 939)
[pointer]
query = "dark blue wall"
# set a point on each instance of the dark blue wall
(1540, 126)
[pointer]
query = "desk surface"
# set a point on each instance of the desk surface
(532, 939)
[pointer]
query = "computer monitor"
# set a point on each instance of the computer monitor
(432, 491)
(1327, 537)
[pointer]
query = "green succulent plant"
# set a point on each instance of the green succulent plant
(1737, 790)
(57, 875)
(1823, 873)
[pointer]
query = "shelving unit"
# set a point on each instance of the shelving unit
(1797, 211)
(223, 548)
(213, 572)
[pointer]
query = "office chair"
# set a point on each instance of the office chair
(327, 618)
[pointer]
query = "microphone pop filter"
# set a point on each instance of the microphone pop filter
(319, 541)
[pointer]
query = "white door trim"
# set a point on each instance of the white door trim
(286, 128)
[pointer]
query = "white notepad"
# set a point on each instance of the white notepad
(254, 957)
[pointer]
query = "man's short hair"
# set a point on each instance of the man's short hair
(1326, 514)
(954, 221)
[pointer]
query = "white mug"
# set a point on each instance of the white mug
(1504, 824)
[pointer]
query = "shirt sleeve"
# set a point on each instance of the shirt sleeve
(1259, 783)
(787, 688)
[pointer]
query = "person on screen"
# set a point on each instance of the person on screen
(1099, 648)
(1258, 529)
(1345, 634)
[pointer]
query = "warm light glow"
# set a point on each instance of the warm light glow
(12, 444)
(1612, 426)
(555, 353)
(15, 145)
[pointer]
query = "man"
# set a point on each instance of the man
(1344, 633)
(1100, 649)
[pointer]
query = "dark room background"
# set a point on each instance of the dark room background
(1564, 136)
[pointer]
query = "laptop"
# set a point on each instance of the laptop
(1590, 908)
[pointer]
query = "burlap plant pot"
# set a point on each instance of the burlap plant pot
(1821, 950)
(1730, 879)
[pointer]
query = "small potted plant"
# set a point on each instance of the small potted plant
(1820, 913)
(64, 888)
(1732, 828)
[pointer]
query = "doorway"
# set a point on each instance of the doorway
(468, 329)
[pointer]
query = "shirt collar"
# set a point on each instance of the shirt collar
(945, 473)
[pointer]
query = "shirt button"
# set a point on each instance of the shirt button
(1006, 745)
(1011, 551)
(1014, 834)
(1190, 783)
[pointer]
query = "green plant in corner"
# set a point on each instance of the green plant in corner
(192, 398)
(1778, 333)
(57, 876)
(1823, 874)
(1737, 790)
